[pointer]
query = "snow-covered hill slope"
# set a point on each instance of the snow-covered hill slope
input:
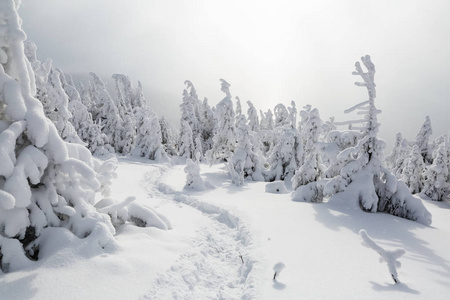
(226, 240)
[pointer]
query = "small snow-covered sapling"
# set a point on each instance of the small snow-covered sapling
(389, 256)
(277, 268)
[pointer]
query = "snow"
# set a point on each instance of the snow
(199, 258)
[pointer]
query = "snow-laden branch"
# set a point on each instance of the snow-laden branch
(389, 256)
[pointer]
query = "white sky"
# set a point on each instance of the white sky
(269, 51)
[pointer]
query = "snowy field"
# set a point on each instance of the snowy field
(225, 241)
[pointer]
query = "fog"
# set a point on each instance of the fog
(269, 51)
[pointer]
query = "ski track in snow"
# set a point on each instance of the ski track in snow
(212, 268)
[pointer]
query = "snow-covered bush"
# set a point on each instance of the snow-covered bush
(389, 256)
(193, 179)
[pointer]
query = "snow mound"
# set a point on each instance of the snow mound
(276, 187)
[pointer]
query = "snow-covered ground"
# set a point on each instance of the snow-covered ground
(226, 240)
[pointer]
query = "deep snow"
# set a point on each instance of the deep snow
(200, 257)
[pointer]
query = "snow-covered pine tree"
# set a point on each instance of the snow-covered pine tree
(245, 162)
(437, 175)
(148, 139)
(238, 108)
(284, 158)
(108, 115)
(189, 114)
(44, 181)
(253, 120)
(207, 121)
(391, 159)
(362, 175)
(89, 131)
(311, 168)
(281, 116)
(49, 90)
(413, 171)
(293, 114)
(422, 140)
(125, 94)
(186, 147)
(167, 137)
(224, 140)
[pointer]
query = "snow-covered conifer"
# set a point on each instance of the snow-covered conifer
(148, 140)
(44, 181)
(186, 147)
(311, 168)
(245, 162)
(281, 116)
(224, 140)
(293, 114)
(207, 121)
(167, 137)
(422, 140)
(437, 176)
(413, 171)
(253, 120)
(284, 157)
(108, 115)
(50, 91)
(362, 174)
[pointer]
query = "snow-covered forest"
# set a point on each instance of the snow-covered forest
(95, 183)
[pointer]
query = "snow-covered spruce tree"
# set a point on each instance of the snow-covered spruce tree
(293, 114)
(362, 176)
(245, 162)
(437, 176)
(284, 158)
(413, 171)
(108, 115)
(186, 146)
(391, 159)
(189, 115)
(281, 116)
(125, 94)
(422, 140)
(312, 168)
(207, 121)
(224, 140)
(49, 90)
(167, 137)
(253, 120)
(148, 140)
(89, 131)
(238, 108)
(44, 181)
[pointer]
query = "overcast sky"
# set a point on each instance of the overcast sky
(269, 51)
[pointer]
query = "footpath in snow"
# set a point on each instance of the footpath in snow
(225, 241)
